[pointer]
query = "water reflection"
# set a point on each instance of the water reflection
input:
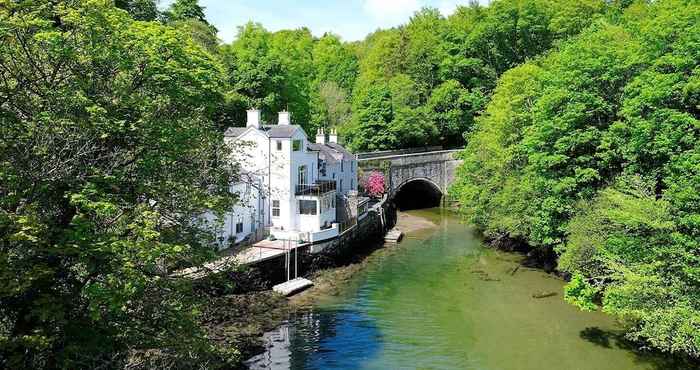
(443, 301)
(321, 339)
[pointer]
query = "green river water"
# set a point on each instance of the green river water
(443, 301)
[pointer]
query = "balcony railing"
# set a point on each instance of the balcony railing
(318, 188)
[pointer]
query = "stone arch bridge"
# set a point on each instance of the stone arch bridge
(416, 178)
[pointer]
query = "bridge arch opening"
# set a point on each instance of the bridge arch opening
(417, 194)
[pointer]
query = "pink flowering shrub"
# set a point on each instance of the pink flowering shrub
(375, 184)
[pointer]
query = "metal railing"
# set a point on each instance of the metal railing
(346, 225)
(317, 188)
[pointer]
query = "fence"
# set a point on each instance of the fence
(317, 188)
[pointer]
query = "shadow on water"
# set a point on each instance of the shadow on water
(616, 339)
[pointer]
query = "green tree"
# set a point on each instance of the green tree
(452, 110)
(293, 49)
(181, 10)
(188, 16)
(593, 150)
(388, 115)
(491, 185)
(410, 125)
(200, 32)
(334, 62)
(372, 115)
(140, 10)
(270, 71)
(626, 243)
(254, 75)
(330, 106)
(425, 49)
(108, 155)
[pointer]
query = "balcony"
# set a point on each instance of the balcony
(320, 187)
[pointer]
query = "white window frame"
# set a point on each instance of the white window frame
(276, 208)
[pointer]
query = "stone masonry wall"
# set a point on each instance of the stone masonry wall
(368, 234)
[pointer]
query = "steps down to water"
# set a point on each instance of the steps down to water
(393, 236)
(292, 286)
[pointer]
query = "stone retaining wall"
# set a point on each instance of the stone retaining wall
(367, 235)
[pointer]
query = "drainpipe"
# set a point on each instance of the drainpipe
(269, 176)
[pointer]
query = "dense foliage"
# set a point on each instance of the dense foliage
(593, 149)
(580, 120)
(108, 152)
(422, 83)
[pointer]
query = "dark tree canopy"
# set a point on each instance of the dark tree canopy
(108, 153)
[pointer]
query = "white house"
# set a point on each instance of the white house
(245, 219)
(335, 162)
(291, 186)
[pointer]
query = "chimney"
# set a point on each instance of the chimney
(283, 118)
(333, 137)
(253, 118)
(320, 136)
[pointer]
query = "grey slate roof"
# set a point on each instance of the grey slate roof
(273, 131)
(332, 152)
(234, 131)
(280, 131)
(326, 153)
(339, 148)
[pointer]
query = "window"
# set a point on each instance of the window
(324, 204)
(341, 165)
(327, 202)
(341, 184)
(352, 184)
(307, 207)
(239, 227)
(302, 176)
(296, 145)
(334, 175)
(275, 208)
(279, 144)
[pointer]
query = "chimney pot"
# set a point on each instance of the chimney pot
(253, 118)
(283, 118)
(320, 136)
(333, 137)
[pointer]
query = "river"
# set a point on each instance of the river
(441, 300)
